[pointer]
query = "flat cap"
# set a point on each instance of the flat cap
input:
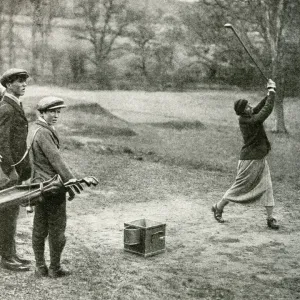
(240, 105)
(50, 102)
(12, 72)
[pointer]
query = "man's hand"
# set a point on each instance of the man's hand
(271, 86)
(74, 186)
(71, 194)
(0, 158)
(71, 181)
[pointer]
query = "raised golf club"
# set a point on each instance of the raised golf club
(228, 25)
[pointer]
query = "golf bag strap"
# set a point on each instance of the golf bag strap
(28, 148)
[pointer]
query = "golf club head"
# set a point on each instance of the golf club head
(228, 25)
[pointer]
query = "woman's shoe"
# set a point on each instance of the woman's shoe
(272, 223)
(217, 213)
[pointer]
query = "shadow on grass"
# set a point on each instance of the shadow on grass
(94, 130)
(194, 164)
(179, 125)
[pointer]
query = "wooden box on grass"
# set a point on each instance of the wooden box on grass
(144, 237)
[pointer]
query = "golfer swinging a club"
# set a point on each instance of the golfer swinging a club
(253, 180)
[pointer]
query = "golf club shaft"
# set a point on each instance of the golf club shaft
(234, 31)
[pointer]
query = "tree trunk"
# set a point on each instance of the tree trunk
(43, 53)
(279, 126)
(46, 28)
(11, 48)
(36, 25)
(34, 67)
(279, 77)
(1, 35)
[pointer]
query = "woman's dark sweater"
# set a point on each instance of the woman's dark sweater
(256, 143)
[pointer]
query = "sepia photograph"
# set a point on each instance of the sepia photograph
(149, 149)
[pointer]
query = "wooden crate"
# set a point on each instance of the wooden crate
(144, 237)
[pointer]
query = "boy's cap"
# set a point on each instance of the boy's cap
(49, 103)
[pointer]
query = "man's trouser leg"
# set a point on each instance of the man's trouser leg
(39, 233)
(57, 218)
(8, 226)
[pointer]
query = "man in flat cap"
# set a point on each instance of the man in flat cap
(13, 135)
(50, 215)
(253, 180)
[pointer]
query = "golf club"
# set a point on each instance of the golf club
(227, 25)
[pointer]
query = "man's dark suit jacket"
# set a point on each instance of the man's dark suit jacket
(13, 136)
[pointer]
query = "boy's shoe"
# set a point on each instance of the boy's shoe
(41, 271)
(217, 213)
(272, 223)
(56, 273)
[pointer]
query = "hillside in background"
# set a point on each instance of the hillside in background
(165, 6)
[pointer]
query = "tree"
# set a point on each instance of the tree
(77, 59)
(168, 38)
(8, 36)
(104, 22)
(272, 18)
(154, 39)
(56, 57)
(263, 24)
(11, 45)
(143, 37)
(43, 13)
(1, 33)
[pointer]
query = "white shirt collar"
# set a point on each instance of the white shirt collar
(43, 120)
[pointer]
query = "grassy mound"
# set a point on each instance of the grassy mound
(91, 108)
(88, 119)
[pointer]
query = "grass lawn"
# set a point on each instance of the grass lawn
(166, 157)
